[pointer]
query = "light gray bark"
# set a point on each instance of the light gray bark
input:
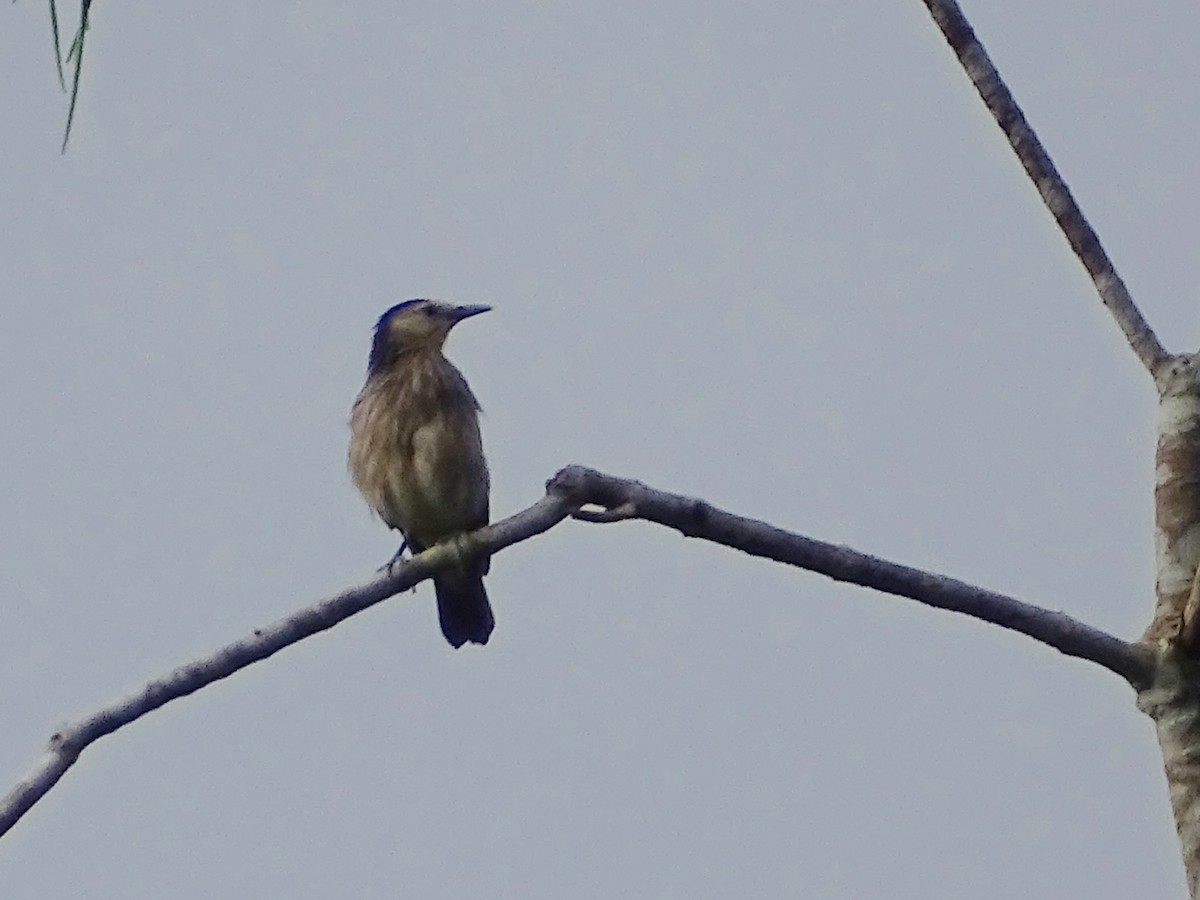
(1170, 698)
(1173, 702)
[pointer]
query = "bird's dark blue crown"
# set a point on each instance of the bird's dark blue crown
(381, 346)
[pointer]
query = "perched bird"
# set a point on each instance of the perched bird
(416, 453)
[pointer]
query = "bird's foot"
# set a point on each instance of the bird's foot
(397, 557)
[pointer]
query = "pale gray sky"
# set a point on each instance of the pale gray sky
(774, 255)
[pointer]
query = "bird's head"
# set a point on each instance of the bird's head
(415, 325)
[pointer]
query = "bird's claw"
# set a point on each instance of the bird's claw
(397, 557)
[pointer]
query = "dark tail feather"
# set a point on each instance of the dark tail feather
(463, 609)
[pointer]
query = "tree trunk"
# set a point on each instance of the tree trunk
(1172, 700)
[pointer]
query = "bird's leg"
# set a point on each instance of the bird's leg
(396, 557)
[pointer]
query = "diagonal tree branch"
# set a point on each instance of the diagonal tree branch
(1055, 193)
(590, 496)
(72, 739)
(696, 518)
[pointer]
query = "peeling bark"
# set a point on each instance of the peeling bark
(1173, 698)
(1173, 702)
(1176, 497)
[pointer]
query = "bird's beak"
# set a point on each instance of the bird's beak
(465, 312)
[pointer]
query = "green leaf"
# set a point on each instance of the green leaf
(57, 47)
(76, 53)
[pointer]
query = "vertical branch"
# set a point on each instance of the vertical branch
(1173, 702)
(1177, 500)
(1173, 699)
(1037, 163)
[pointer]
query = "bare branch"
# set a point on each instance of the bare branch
(71, 740)
(1177, 504)
(1173, 702)
(696, 518)
(617, 498)
(1055, 193)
